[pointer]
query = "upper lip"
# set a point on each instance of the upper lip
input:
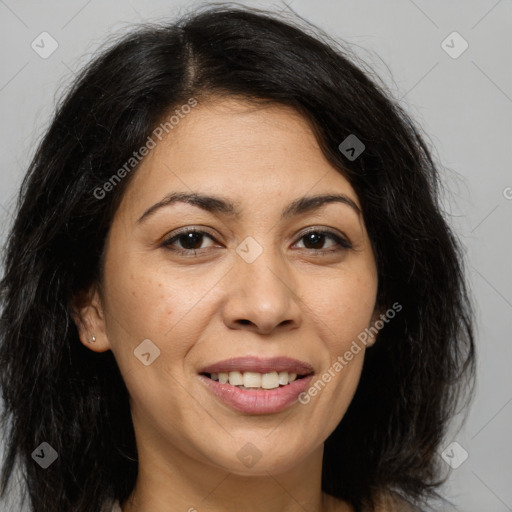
(260, 365)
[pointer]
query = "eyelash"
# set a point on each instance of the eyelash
(343, 244)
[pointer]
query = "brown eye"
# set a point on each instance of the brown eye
(315, 241)
(189, 240)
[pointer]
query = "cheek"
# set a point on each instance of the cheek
(147, 301)
(343, 307)
(143, 298)
(143, 304)
(342, 310)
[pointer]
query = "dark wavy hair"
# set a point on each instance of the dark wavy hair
(57, 391)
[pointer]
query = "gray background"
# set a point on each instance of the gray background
(464, 105)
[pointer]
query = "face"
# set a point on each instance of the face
(218, 259)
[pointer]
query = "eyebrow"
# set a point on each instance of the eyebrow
(225, 207)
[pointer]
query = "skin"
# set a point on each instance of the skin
(214, 305)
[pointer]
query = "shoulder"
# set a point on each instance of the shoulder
(116, 507)
(393, 502)
(388, 501)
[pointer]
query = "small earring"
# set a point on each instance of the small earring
(93, 339)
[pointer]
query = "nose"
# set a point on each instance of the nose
(262, 296)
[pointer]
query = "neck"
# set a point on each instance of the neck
(173, 481)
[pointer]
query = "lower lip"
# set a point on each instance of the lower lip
(261, 401)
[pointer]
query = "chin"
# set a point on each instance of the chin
(261, 456)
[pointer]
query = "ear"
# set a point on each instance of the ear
(88, 315)
(372, 337)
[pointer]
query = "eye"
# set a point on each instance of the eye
(189, 240)
(315, 239)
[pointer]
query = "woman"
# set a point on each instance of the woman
(229, 284)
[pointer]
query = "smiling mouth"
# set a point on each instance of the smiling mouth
(254, 381)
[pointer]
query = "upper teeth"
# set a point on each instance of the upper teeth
(255, 380)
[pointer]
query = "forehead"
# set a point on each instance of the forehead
(246, 151)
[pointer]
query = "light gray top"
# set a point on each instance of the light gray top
(116, 507)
